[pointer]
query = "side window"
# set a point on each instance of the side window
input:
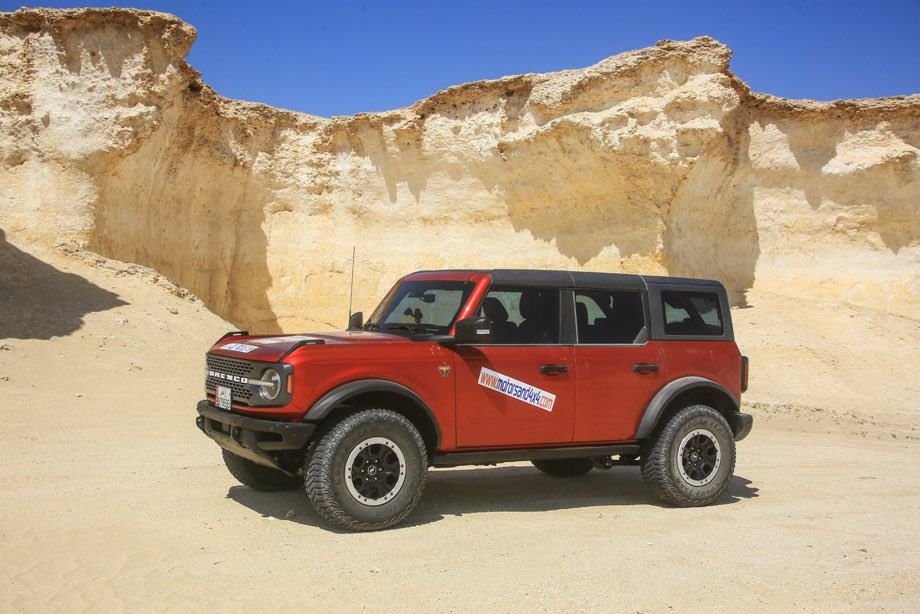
(608, 316)
(692, 313)
(522, 315)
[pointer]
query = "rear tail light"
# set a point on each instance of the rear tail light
(744, 373)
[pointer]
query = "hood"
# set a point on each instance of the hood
(272, 348)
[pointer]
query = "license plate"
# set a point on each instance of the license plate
(224, 397)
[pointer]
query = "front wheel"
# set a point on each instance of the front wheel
(368, 471)
(689, 461)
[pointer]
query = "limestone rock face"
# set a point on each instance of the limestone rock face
(656, 161)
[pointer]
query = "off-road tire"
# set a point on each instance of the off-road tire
(564, 467)
(258, 477)
(670, 474)
(338, 499)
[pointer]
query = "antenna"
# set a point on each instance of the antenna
(351, 291)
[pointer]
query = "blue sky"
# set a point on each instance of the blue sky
(340, 58)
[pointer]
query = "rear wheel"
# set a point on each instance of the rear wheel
(368, 471)
(259, 477)
(564, 467)
(690, 459)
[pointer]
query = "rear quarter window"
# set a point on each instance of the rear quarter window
(692, 313)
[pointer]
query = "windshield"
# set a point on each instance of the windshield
(421, 307)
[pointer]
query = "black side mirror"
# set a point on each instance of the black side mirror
(474, 331)
(356, 320)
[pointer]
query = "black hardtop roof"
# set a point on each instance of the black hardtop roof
(581, 279)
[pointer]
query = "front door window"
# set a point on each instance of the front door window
(523, 316)
(519, 389)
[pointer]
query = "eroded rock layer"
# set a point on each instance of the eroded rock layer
(658, 161)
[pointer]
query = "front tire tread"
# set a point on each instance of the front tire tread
(321, 470)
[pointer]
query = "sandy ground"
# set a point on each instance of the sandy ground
(112, 500)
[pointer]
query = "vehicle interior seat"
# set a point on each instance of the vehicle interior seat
(540, 323)
(503, 331)
(581, 318)
(628, 320)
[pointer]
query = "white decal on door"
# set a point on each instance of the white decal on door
(516, 389)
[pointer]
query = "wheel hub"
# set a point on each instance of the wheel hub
(699, 457)
(375, 471)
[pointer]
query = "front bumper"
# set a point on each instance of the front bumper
(741, 425)
(264, 442)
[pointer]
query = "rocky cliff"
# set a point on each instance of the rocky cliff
(659, 160)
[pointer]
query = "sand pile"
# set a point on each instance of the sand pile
(113, 500)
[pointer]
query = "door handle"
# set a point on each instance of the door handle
(553, 369)
(645, 368)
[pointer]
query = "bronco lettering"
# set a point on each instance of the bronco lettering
(229, 378)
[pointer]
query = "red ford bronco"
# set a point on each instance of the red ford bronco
(572, 371)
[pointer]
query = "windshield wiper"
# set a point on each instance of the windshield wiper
(425, 329)
(408, 327)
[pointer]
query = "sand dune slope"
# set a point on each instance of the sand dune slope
(114, 501)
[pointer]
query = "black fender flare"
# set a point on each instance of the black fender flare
(669, 392)
(340, 396)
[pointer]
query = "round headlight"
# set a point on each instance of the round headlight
(270, 391)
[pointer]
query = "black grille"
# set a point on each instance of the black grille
(229, 366)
